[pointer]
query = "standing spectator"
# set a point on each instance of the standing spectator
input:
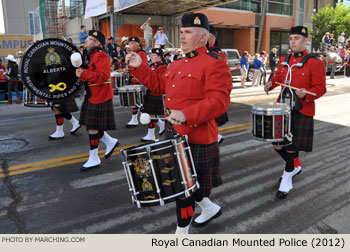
(347, 63)
(119, 64)
(111, 47)
(12, 76)
(82, 34)
(160, 38)
(167, 58)
(325, 41)
(19, 57)
(2, 72)
(341, 52)
(341, 39)
(331, 39)
(147, 34)
(263, 58)
(334, 66)
(125, 41)
(244, 68)
(273, 59)
(69, 40)
(347, 43)
(117, 54)
(257, 70)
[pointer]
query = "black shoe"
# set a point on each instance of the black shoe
(146, 140)
(281, 195)
(131, 125)
(199, 225)
(85, 169)
(111, 152)
(221, 140)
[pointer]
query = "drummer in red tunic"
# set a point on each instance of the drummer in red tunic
(97, 109)
(221, 120)
(305, 72)
(197, 90)
(135, 46)
(153, 104)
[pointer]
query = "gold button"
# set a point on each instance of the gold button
(302, 74)
(195, 125)
(173, 85)
(189, 75)
(168, 99)
(191, 126)
(186, 60)
(207, 51)
(166, 74)
(179, 72)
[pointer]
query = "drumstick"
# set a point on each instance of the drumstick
(285, 85)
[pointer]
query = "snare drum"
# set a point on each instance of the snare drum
(118, 79)
(158, 173)
(34, 101)
(271, 122)
(131, 95)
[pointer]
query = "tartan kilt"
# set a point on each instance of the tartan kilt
(65, 106)
(221, 120)
(303, 133)
(153, 104)
(97, 116)
(206, 158)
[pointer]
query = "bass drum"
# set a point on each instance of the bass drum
(46, 69)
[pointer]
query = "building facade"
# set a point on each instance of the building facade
(16, 15)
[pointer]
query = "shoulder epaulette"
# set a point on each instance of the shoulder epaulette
(215, 49)
(214, 55)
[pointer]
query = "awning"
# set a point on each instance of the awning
(164, 7)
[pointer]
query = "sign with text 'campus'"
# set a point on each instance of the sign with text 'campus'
(11, 44)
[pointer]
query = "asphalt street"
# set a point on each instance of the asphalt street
(43, 191)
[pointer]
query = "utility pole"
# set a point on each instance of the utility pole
(261, 24)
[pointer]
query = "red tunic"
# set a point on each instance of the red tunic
(311, 76)
(199, 86)
(143, 56)
(97, 75)
(160, 70)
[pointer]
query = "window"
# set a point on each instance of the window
(280, 7)
(246, 5)
(232, 55)
(301, 12)
(280, 40)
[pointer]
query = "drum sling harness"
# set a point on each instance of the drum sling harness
(288, 95)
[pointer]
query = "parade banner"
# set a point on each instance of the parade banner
(95, 8)
(11, 44)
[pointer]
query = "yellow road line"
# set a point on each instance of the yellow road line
(67, 160)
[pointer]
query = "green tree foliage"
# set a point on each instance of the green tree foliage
(330, 19)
